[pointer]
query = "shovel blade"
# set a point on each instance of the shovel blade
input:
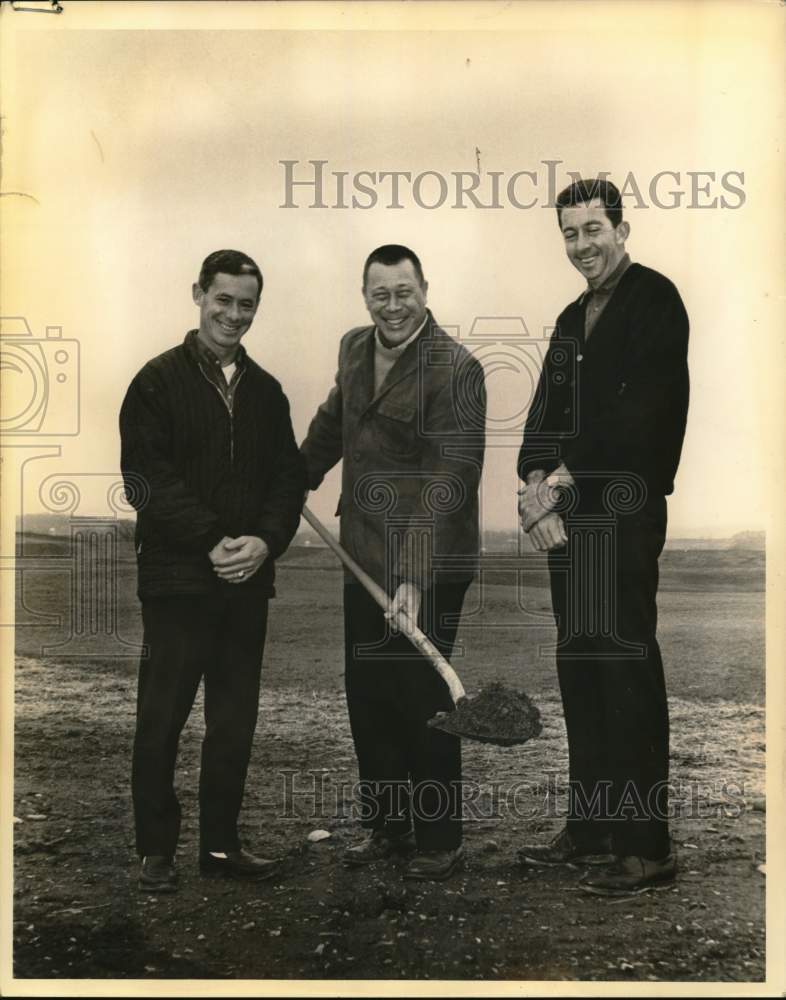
(497, 715)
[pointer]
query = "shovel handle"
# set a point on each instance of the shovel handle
(410, 629)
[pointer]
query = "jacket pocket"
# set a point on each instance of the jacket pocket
(395, 429)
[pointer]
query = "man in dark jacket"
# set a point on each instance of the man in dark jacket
(211, 465)
(407, 416)
(601, 448)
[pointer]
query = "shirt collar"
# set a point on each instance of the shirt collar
(210, 358)
(613, 279)
(399, 348)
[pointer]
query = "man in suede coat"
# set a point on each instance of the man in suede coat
(406, 415)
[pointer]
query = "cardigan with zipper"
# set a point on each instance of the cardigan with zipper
(201, 461)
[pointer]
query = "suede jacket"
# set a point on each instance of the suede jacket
(412, 457)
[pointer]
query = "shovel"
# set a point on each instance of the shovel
(496, 715)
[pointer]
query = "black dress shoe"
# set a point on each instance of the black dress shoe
(563, 850)
(434, 866)
(378, 846)
(238, 864)
(631, 874)
(157, 874)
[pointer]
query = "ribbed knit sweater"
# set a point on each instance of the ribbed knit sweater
(197, 468)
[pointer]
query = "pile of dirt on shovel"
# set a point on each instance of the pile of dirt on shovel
(496, 715)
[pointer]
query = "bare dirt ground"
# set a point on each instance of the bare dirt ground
(78, 914)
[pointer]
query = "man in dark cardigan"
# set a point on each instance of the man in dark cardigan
(210, 463)
(601, 448)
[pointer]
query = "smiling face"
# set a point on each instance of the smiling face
(226, 311)
(594, 246)
(396, 300)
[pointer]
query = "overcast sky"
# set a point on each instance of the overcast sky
(145, 150)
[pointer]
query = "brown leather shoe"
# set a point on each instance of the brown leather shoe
(157, 874)
(563, 850)
(377, 847)
(238, 865)
(630, 874)
(434, 866)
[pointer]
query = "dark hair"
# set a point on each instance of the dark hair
(228, 262)
(390, 254)
(581, 191)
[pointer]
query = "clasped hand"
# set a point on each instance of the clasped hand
(549, 533)
(237, 559)
(536, 502)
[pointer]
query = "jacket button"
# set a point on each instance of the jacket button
(566, 411)
(579, 357)
(356, 456)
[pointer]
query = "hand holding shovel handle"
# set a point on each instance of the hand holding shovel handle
(409, 628)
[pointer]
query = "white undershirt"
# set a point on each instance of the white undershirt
(229, 371)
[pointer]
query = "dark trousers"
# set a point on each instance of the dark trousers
(409, 774)
(604, 587)
(220, 638)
